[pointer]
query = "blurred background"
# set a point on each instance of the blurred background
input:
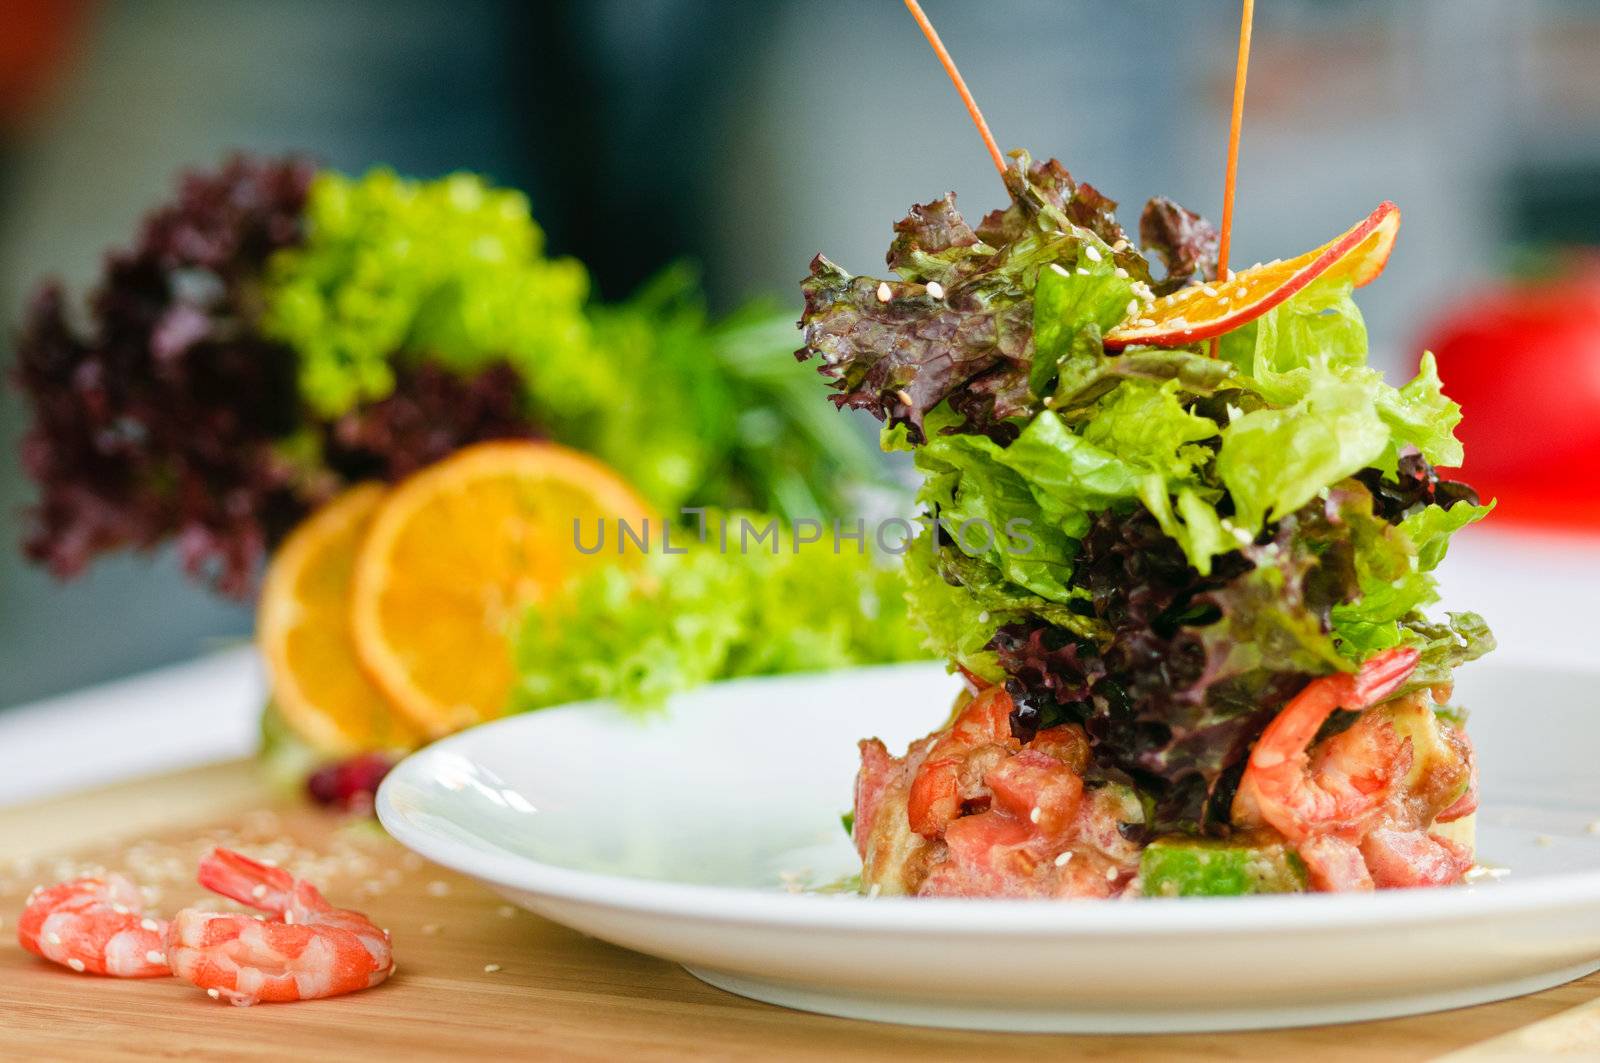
(751, 134)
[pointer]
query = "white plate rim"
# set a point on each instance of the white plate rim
(947, 916)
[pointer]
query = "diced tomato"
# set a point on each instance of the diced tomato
(877, 772)
(1334, 865)
(1398, 859)
(1037, 788)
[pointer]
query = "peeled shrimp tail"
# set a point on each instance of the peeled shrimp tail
(270, 889)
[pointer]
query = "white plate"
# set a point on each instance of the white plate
(677, 835)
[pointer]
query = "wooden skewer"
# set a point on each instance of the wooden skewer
(961, 86)
(1230, 176)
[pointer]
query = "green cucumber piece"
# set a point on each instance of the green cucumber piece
(1192, 867)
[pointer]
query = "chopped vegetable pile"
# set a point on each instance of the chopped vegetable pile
(1160, 545)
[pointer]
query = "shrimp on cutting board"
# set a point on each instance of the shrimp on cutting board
(310, 949)
(95, 926)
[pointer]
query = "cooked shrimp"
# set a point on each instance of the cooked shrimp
(311, 950)
(95, 926)
(1353, 772)
(977, 740)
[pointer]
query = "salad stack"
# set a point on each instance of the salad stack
(1161, 511)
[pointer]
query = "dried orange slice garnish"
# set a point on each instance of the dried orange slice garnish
(455, 556)
(1200, 312)
(303, 629)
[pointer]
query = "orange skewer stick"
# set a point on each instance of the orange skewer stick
(961, 86)
(1231, 174)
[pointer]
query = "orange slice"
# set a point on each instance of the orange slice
(303, 629)
(1200, 312)
(454, 558)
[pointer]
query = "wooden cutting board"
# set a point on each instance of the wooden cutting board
(477, 979)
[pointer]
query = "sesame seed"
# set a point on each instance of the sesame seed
(877, 888)
(1544, 841)
(1211, 293)
(1082, 272)
(214, 994)
(1111, 874)
(149, 924)
(1225, 300)
(53, 937)
(76, 964)
(1145, 322)
(1133, 306)
(904, 396)
(490, 968)
(1120, 245)
(1594, 827)
(1059, 268)
(506, 911)
(936, 289)
(1033, 814)
(1092, 253)
(884, 294)
(156, 957)
(258, 892)
(1061, 861)
(1122, 273)
(438, 888)
(430, 929)
(288, 918)
(120, 909)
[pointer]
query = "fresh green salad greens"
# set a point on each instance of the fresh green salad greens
(1156, 543)
(277, 332)
(761, 605)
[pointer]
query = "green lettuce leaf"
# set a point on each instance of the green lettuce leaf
(641, 633)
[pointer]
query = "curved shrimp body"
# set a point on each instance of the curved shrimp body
(311, 949)
(95, 926)
(976, 741)
(1353, 772)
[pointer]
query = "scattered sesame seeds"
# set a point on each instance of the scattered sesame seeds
(935, 289)
(490, 968)
(76, 964)
(438, 888)
(1061, 861)
(149, 924)
(884, 294)
(155, 956)
(505, 911)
